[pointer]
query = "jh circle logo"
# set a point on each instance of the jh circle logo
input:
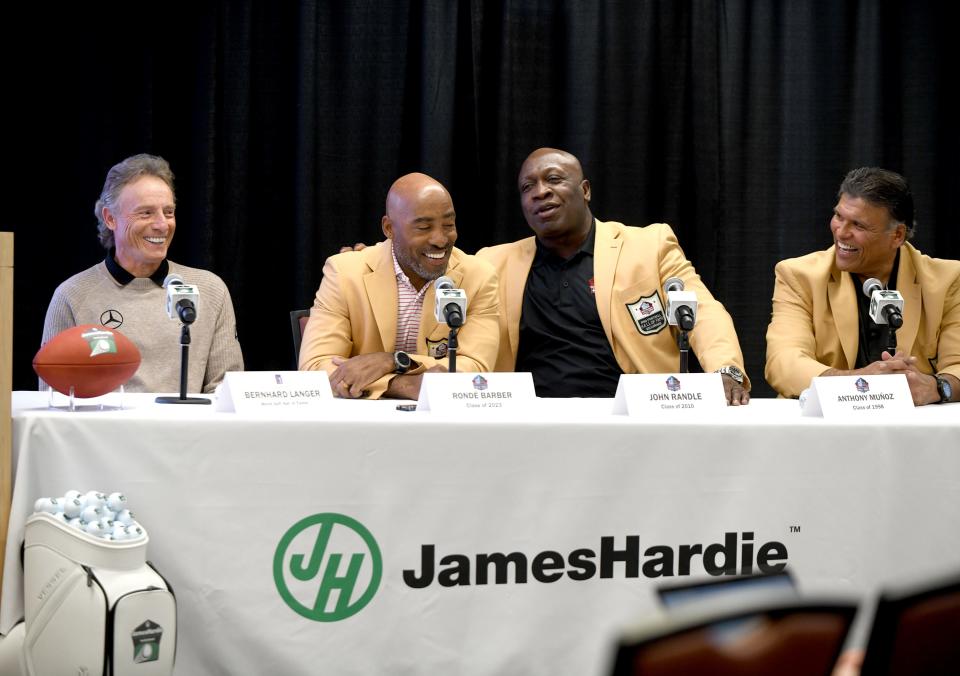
(319, 562)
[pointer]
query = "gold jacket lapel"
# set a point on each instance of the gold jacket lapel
(380, 283)
(606, 252)
(843, 305)
(912, 304)
(513, 285)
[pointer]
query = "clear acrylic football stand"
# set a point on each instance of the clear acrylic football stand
(112, 401)
(91, 606)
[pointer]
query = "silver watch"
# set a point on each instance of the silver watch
(731, 371)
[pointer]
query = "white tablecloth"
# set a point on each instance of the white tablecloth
(854, 505)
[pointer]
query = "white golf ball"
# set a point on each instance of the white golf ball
(116, 501)
(124, 516)
(72, 507)
(59, 516)
(90, 514)
(134, 532)
(119, 531)
(95, 499)
(76, 522)
(94, 528)
(72, 495)
(45, 505)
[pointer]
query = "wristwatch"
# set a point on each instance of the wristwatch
(944, 388)
(731, 371)
(401, 362)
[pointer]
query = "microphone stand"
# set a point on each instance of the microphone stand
(184, 363)
(888, 337)
(454, 320)
(452, 350)
(683, 342)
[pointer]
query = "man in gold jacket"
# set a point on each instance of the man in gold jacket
(372, 326)
(821, 324)
(583, 300)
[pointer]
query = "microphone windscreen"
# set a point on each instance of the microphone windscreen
(172, 278)
(673, 284)
(444, 283)
(871, 285)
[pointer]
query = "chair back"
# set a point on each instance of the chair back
(785, 637)
(298, 322)
(916, 631)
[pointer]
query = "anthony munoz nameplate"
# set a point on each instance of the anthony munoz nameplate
(855, 397)
(273, 391)
(653, 395)
(483, 392)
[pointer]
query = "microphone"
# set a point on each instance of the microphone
(450, 305)
(182, 299)
(681, 305)
(886, 305)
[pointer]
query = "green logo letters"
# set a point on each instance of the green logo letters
(293, 576)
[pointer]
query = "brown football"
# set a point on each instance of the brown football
(92, 359)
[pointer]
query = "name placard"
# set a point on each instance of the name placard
(273, 391)
(854, 397)
(482, 392)
(668, 394)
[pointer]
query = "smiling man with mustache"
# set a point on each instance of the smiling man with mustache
(372, 325)
(582, 301)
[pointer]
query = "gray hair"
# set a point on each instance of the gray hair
(120, 175)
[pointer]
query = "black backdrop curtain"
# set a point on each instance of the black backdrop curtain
(285, 124)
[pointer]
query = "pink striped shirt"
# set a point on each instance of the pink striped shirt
(409, 310)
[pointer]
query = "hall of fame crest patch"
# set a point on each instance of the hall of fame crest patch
(647, 314)
(437, 348)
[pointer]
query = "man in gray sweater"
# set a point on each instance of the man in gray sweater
(136, 221)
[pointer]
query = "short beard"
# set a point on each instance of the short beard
(414, 265)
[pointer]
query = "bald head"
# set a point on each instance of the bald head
(421, 224)
(560, 156)
(411, 188)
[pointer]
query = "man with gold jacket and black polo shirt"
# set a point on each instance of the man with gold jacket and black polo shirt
(821, 324)
(582, 302)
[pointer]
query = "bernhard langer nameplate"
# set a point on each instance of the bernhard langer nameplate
(273, 391)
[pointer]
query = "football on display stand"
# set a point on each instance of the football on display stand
(92, 359)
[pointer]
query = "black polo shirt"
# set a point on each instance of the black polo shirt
(871, 343)
(123, 276)
(562, 342)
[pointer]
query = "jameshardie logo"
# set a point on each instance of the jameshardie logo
(327, 567)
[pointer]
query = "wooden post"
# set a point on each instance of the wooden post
(6, 387)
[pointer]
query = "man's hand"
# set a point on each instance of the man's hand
(923, 386)
(735, 393)
(898, 363)
(350, 379)
(408, 386)
(359, 246)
